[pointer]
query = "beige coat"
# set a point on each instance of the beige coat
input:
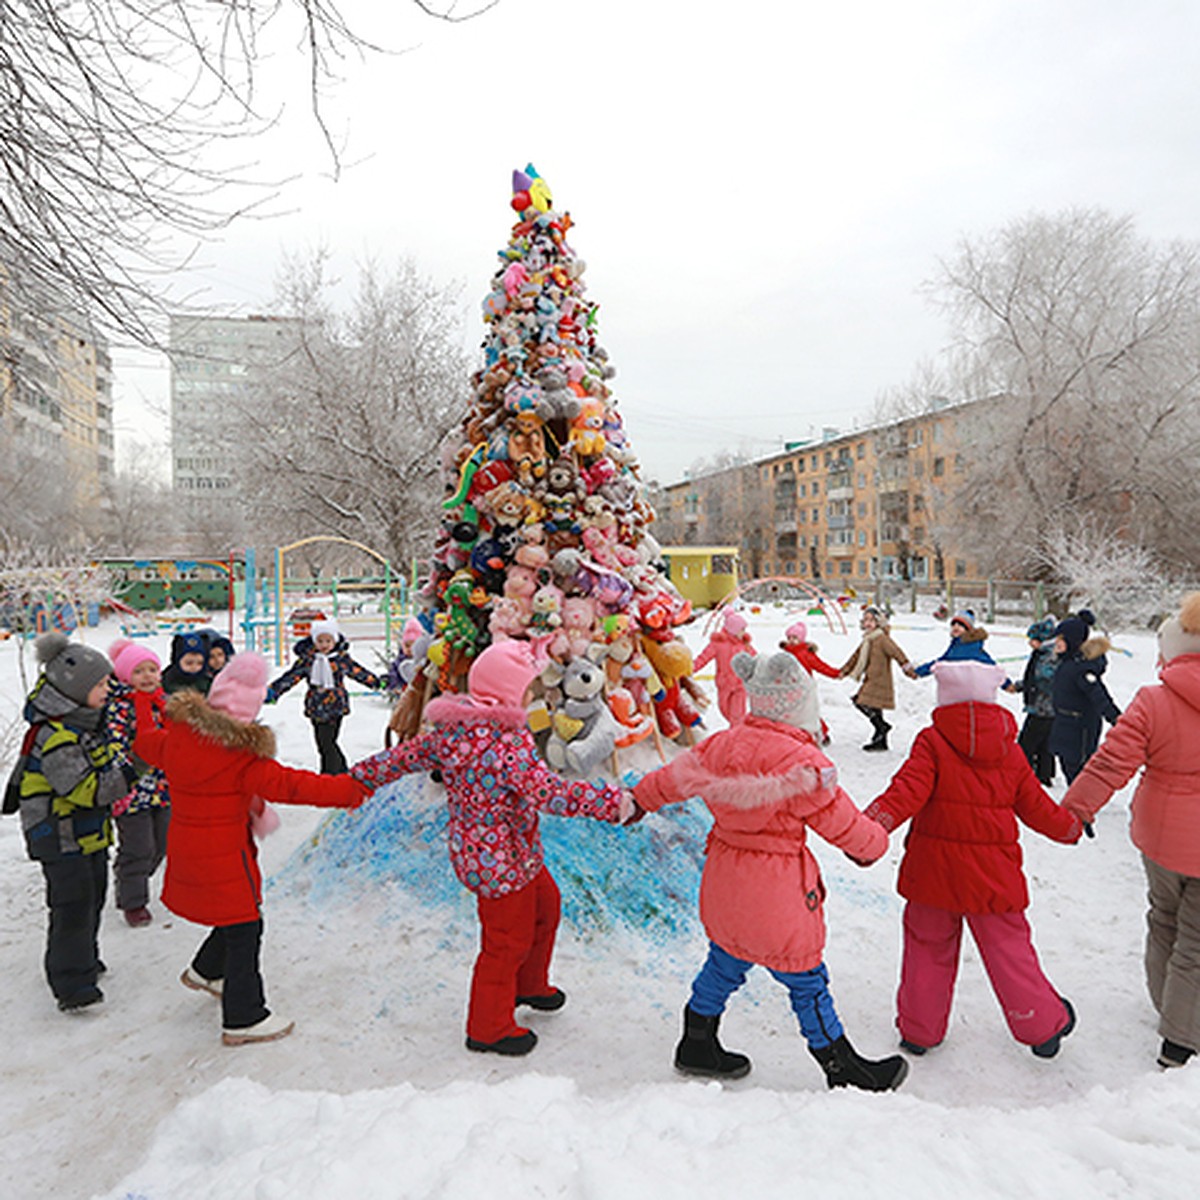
(876, 690)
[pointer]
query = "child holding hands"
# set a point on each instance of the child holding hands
(495, 786)
(732, 638)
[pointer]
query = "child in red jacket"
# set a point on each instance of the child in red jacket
(732, 638)
(796, 643)
(965, 784)
(219, 764)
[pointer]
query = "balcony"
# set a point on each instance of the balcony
(842, 491)
(841, 521)
(785, 524)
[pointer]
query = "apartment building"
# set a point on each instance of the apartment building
(839, 510)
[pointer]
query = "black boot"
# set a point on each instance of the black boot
(845, 1067)
(700, 1053)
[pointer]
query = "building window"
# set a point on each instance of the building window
(939, 466)
(861, 449)
(960, 568)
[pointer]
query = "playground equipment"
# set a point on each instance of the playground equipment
(798, 595)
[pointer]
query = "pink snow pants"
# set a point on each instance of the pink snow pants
(932, 939)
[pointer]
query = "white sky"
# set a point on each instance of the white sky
(759, 188)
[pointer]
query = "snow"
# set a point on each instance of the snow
(369, 944)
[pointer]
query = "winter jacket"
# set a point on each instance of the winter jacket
(323, 704)
(1080, 701)
(805, 653)
(218, 769)
(175, 679)
(967, 648)
(876, 688)
(761, 893)
(965, 784)
(125, 709)
(495, 786)
(731, 692)
(74, 774)
(1160, 730)
(1037, 684)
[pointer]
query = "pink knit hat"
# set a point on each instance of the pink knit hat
(125, 654)
(412, 630)
(500, 675)
(796, 632)
(958, 682)
(240, 686)
(735, 624)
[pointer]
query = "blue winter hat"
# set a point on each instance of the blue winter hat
(1074, 630)
(188, 643)
(1043, 630)
(964, 617)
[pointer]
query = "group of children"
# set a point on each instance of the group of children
(964, 788)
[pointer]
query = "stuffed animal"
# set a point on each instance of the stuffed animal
(578, 628)
(560, 493)
(546, 615)
(520, 583)
(674, 708)
(587, 429)
(582, 730)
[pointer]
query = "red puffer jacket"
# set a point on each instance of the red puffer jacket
(965, 784)
(217, 768)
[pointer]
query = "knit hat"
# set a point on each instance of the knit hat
(875, 611)
(239, 687)
(734, 624)
(1181, 634)
(500, 675)
(796, 632)
(1074, 630)
(779, 689)
(412, 630)
(70, 667)
(964, 617)
(958, 682)
(1043, 630)
(127, 654)
(188, 643)
(324, 626)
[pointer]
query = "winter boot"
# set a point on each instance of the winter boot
(1173, 1054)
(512, 1046)
(845, 1067)
(551, 1001)
(700, 1053)
(1049, 1048)
(881, 727)
(270, 1029)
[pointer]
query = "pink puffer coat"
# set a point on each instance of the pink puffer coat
(761, 894)
(1160, 730)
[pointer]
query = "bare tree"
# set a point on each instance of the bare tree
(121, 120)
(139, 516)
(1082, 339)
(344, 439)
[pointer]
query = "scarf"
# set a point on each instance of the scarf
(321, 673)
(864, 653)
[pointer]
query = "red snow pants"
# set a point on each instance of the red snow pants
(516, 940)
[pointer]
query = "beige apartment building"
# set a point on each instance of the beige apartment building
(840, 511)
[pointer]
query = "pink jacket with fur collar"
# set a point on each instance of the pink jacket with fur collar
(761, 894)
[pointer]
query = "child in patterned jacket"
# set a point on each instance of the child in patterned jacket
(495, 785)
(143, 814)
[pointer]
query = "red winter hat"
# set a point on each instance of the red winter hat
(500, 675)
(125, 654)
(240, 686)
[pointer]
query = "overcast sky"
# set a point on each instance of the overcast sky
(759, 188)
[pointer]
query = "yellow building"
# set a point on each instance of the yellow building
(705, 575)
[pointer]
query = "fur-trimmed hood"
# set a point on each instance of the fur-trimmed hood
(1095, 647)
(192, 709)
(976, 633)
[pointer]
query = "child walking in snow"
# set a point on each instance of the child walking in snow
(871, 665)
(495, 786)
(219, 764)
(966, 645)
(143, 814)
(1081, 701)
(72, 777)
(766, 784)
(732, 638)
(323, 658)
(1160, 731)
(1037, 690)
(965, 785)
(796, 643)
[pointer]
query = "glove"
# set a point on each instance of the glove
(829, 778)
(859, 862)
(630, 811)
(1089, 829)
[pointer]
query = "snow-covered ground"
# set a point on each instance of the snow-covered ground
(375, 1096)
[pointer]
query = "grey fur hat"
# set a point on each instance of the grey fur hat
(779, 689)
(70, 667)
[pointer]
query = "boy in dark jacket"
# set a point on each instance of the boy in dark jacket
(1081, 701)
(189, 664)
(1037, 691)
(71, 780)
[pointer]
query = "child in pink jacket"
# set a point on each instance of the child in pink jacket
(732, 638)
(495, 786)
(761, 893)
(1160, 732)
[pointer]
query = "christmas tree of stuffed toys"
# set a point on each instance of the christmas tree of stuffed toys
(545, 535)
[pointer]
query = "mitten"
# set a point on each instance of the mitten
(630, 811)
(264, 820)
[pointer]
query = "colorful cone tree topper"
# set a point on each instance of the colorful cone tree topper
(545, 534)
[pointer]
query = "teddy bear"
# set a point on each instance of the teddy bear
(560, 493)
(507, 618)
(558, 401)
(582, 730)
(520, 583)
(546, 610)
(587, 429)
(578, 628)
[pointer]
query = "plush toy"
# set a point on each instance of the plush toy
(582, 730)
(508, 618)
(587, 429)
(527, 447)
(674, 709)
(546, 614)
(560, 493)
(578, 628)
(519, 584)
(460, 629)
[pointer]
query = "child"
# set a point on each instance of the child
(323, 658)
(1080, 698)
(766, 784)
(1160, 730)
(219, 764)
(732, 638)
(1037, 690)
(965, 784)
(966, 644)
(403, 667)
(220, 651)
(73, 776)
(136, 701)
(872, 664)
(796, 643)
(495, 785)
(189, 665)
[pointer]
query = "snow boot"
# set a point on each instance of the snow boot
(137, 917)
(512, 1047)
(78, 1001)
(1172, 1054)
(194, 980)
(845, 1067)
(914, 1048)
(270, 1029)
(1049, 1048)
(700, 1053)
(552, 1001)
